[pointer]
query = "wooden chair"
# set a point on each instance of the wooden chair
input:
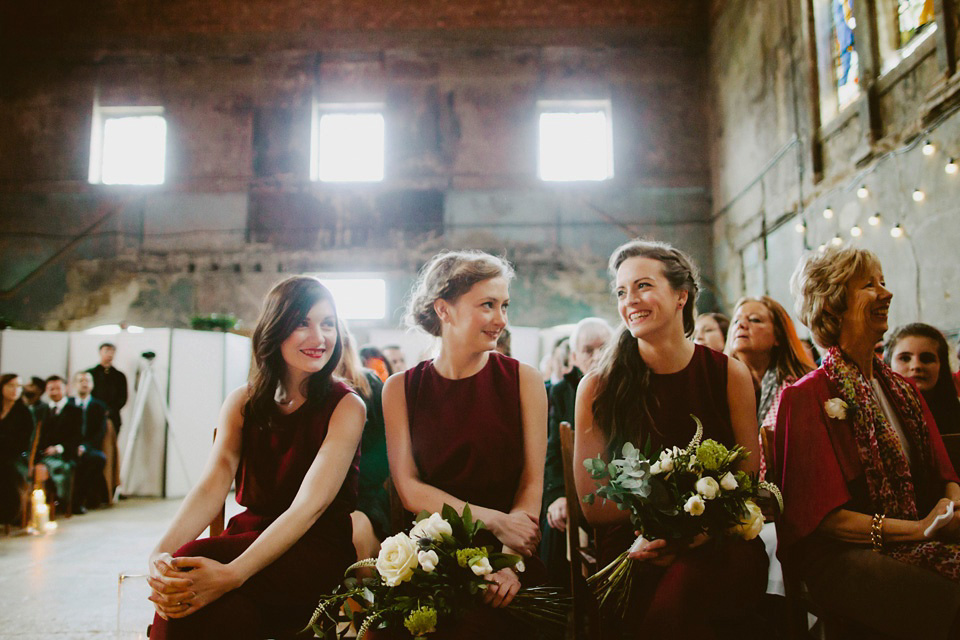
(952, 443)
(583, 559)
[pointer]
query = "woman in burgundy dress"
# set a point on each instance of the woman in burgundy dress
(470, 425)
(290, 439)
(651, 378)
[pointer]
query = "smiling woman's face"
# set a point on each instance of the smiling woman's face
(310, 346)
(868, 302)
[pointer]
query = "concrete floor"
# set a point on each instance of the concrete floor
(65, 584)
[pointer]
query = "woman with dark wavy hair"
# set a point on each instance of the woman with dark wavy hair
(919, 352)
(651, 378)
(290, 439)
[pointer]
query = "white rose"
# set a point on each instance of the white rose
(836, 408)
(428, 560)
(397, 559)
(695, 505)
(707, 487)
(520, 567)
(481, 567)
(728, 482)
(750, 527)
(431, 528)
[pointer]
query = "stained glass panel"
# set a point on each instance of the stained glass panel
(845, 61)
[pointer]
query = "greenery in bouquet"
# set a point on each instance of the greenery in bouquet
(676, 495)
(425, 579)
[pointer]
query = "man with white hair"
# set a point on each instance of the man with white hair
(587, 342)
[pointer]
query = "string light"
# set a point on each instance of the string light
(862, 192)
(856, 231)
(928, 148)
(837, 240)
(918, 195)
(822, 248)
(951, 167)
(896, 231)
(874, 220)
(800, 227)
(828, 212)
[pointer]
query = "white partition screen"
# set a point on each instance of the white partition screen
(33, 353)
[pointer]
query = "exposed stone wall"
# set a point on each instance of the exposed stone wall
(763, 174)
(238, 211)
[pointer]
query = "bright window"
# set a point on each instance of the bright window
(846, 63)
(358, 298)
(128, 145)
(576, 140)
(347, 143)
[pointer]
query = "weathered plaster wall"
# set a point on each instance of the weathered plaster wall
(763, 181)
(238, 211)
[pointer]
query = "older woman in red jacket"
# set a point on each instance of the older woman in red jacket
(868, 488)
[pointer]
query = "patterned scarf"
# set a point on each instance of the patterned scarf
(768, 392)
(885, 465)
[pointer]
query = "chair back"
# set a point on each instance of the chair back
(952, 443)
(583, 561)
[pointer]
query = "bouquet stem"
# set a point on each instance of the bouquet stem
(614, 581)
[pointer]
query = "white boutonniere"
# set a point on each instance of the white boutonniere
(836, 408)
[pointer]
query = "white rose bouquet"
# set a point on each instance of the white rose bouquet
(675, 495)
(424, 578)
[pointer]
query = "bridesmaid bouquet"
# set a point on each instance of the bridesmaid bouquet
(675, 495)
(423, 579)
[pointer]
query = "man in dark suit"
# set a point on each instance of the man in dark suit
(109, 384)
(60, 436)
(90, 456)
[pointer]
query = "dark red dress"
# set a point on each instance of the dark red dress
(708, 588)
(467, 440)
(279, 600)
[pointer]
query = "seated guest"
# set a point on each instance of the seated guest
(16, 434)
(711, 330)
(649, 381)
(33, 391)
(394, 355)
(863, 469)
(290, 439)
(91, 459)
(763, 338)
(374, 359)
(919, 352)
(110, 384)
(371, 520)
(587, 341)
(61, 433)
(503, 343)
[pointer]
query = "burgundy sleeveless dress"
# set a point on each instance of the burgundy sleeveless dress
(709, 588)
(467, 440)
(279, 600)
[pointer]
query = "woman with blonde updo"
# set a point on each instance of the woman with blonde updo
(469, 426)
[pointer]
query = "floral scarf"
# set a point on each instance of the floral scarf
(769, 385)
(885, 465)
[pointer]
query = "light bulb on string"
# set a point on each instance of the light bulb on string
(836, 240)
(918, 195)
(928, 148)
(896, 231)
(822, 248)
(856, 231)
(800, 227)
(951, 167)
(863, 192)
(874, 220)
(828, 212)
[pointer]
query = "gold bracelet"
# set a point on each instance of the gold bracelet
(876, 532)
